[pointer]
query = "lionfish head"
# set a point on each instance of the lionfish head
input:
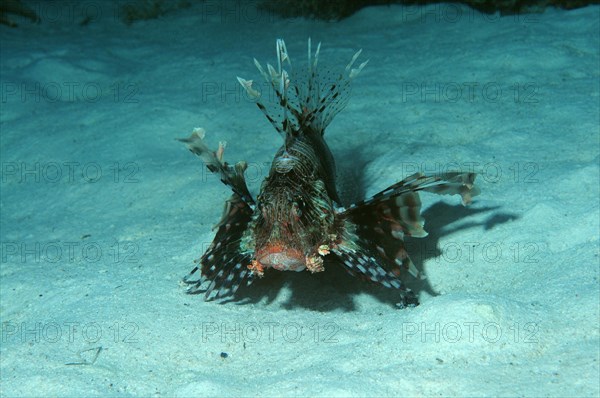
(282, 239)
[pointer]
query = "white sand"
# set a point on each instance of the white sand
(92, 257)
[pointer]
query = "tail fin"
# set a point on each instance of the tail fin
(373, 241)
(311, 99)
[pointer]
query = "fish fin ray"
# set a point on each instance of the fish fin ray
(307, 100)
(380, 223)
(223, 266)
(230, 176)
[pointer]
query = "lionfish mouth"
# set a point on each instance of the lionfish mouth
(281, 258)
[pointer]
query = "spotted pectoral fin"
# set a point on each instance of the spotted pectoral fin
(360, 261)
(224, 266)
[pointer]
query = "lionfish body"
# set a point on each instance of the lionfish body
(298, 218)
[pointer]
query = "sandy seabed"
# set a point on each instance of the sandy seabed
(103, 212)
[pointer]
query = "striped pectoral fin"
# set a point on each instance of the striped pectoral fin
(380, 227)
(375, 228)
(224, 266)
(455, 183)
(390, 215)
(452, 183)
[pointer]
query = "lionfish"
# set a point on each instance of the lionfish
(298, 218)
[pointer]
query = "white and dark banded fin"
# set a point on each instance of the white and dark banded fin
(230, 176)
(307, 100)
(224, 266)
(226, 278)
(452, 183)
(383, 223)
(360, 262)
(378, 225)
